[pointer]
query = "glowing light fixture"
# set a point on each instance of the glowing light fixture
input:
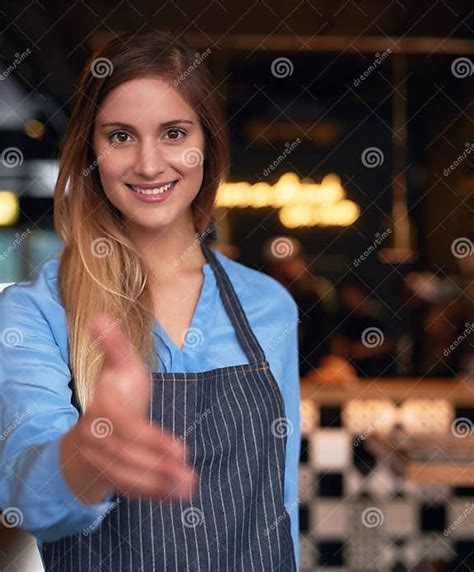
(35, 129)
(301, 203)
(9, 208)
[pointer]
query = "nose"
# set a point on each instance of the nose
(150, 160)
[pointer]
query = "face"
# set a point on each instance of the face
(145, 136)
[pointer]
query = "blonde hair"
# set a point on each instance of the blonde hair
(100, 269)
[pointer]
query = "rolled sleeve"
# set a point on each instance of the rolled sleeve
(36, 412)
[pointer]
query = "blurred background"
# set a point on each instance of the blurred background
(352, 183)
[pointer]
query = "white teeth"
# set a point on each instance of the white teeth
(156, 191)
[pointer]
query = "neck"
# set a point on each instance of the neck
(168, 253)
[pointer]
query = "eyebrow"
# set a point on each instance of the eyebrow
(127, 126)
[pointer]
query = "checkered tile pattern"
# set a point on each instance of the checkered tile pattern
(357, 514)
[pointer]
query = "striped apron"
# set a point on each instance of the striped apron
(231, 419)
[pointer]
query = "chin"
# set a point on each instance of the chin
(155, 222)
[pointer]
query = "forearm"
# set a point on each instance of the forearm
(82, 476)
(32, 485)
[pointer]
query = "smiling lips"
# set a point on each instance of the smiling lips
(152, 189)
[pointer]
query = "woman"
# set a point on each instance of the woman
(191, 467)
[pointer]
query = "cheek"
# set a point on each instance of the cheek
(191, 163)
(110, 169)
(194, 172)
(189, 158)
(194, 175)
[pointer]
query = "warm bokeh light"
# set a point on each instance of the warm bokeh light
(9, 208)
(301, 202)
(35, 129)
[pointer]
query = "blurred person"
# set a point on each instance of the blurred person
(314, 295)
(465, 281)
(443, 338)
(361, 334)
(441, 323)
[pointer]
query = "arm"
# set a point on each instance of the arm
(36, 412)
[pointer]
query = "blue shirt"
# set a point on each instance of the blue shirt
(35, 399)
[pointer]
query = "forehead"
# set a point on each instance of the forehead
(143, 102)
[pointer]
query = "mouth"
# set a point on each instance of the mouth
(155, 191)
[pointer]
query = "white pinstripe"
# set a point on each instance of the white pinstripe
(185, 439)
(160, 504)
(170, 504)
(240, 481)
(255, 448)
(268, 425)
(250, 475)
(204, 526)
(211, 494)
(130, 546)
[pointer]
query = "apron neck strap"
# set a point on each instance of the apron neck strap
(248, 341)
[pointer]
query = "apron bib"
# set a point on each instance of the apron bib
(236, 520)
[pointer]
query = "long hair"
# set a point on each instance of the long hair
(100, 269)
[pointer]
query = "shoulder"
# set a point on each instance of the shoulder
(257, 288)
(34, 306)
(40, 290)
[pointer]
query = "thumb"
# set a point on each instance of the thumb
(123, 371)
(119, 354)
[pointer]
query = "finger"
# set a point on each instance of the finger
(129, 428)
(119, 353)
(124, 391)
(144, 460)
(129, 480)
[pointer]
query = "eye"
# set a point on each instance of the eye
(113, 135)
(174, 130)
